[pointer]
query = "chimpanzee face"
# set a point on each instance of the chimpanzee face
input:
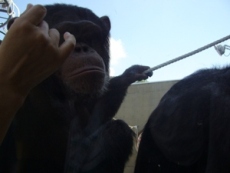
(86, 70)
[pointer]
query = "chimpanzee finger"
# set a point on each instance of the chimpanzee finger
(149, 74)
(142, 68)
(140, 77)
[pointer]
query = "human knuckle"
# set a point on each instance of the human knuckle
(71, 45)
(41, 38)
(54, 31)
(40, 8)
(22, 25)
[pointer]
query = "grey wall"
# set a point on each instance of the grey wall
(140, 101)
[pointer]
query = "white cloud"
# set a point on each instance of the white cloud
(117, 52)
(112, 71)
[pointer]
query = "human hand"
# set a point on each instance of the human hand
(30, 51)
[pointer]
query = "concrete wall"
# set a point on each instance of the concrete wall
(140, 101)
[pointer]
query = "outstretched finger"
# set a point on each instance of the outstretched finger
(68, 46)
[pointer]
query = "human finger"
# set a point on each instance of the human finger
(11, 21)
(34, 14)
(54, 36)
(67, 47)
(44, 27)
(29, 6)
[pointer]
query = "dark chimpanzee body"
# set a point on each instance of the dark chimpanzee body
(189, 131)
(65, 124)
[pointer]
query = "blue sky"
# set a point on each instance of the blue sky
(150, 32)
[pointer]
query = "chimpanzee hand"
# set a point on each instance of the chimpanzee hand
(136, 73)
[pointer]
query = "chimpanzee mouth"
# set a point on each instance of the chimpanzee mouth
(88, 71)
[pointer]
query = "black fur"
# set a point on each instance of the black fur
(60, 130)
(189, 130)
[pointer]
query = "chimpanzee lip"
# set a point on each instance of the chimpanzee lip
(86, 70)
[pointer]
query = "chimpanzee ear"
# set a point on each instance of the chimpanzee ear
(10, 22)
(106, 21)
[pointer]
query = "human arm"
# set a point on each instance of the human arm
(29, 53)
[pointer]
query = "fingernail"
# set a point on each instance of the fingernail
(67, 34)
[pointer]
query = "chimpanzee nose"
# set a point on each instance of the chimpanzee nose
(81, 49)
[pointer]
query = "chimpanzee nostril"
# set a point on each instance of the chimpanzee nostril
(78, 49)
(82, 49)
(85, 48)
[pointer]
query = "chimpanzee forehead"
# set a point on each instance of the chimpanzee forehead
(58, 13)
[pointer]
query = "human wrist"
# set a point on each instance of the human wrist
(11, 97)
(10, 103)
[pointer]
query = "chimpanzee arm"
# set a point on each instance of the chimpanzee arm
(117, 89)
(130, 75)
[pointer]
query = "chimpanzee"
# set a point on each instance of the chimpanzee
(189, 131)
(66, 123)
